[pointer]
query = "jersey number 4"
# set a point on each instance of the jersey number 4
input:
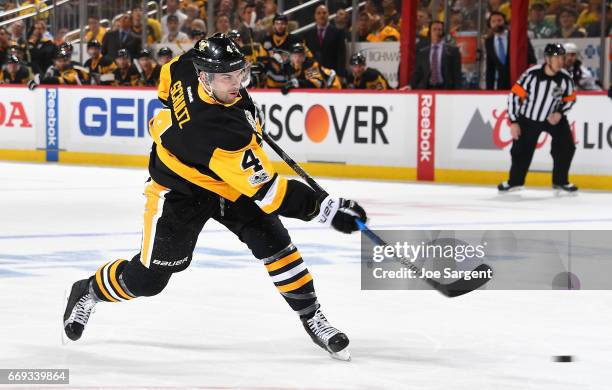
(249, 160)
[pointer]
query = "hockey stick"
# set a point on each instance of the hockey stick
(451, 290)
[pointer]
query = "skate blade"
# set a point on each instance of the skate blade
(343, 355)
(65, 339)
(565, 194)
(513, 189)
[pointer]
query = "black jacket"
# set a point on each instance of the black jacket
(111, 44)
(494, 65)
(450, 68)
(333, 51)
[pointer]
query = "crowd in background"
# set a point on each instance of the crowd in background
(315, 58)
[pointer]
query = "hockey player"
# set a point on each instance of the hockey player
(126, 73)
(362, 77)
(207, 162)
(15, 73)
(307, 73)
(278, 45)
(164, 55)
(582, 76)
(280, 38)
(62, 71)
(100, 67)
(539, 101)
(149, 76)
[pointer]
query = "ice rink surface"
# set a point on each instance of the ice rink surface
(221, 323)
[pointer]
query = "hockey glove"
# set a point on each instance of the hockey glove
(340, 214)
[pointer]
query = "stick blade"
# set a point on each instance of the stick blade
(462, 286)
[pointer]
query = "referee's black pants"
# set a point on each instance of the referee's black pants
(562, 150)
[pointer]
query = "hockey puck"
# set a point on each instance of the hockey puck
(563, 358)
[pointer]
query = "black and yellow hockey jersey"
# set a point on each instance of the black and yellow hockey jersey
(276, 69)
(313, 75)
(68, 76)
(100, 69)
(129, 77)
(150, 79)
(370, 79)
(203, 145)
(22, 76)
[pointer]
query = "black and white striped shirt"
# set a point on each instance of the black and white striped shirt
(536, 95)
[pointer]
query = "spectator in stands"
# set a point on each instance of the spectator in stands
(326, 42)
(62, 72)
(264, 24)
(41, 49)
(96, 31)
(583, 78)
(380, 32)
(591, 15)
(149, 76)
(174, 35)
(222, 23)
(60, 36)
(469, 9)
(506, 10)
(594, 29)
(246, 23)
(363, 77)
(172, 9)
(192, 13)
(539, 25)
(100, 67)
(15, 72)
(422, 22)
(498, 54)
(372, 7)
(554, 6)
(392, 17)
(341, 22)
(493, 5)
(18, 33)
(457, 22)
(438, 66)
(197, 30)
(126, 73)
(567, 25)
(363, 27)
(199, 4)
(4, 45)
(226, 7)
(164, 55)
(122, 38)
(153, 26)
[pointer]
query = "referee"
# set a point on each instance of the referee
(539, 101)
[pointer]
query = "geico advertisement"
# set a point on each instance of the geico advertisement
(18, 118)
(347, 128)
(480, 134)
(107, 121)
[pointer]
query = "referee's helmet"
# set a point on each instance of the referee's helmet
(554, 49)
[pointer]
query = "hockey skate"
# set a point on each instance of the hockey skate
(327, 337)
(79, 306)
(504, 187)
(565, 189)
